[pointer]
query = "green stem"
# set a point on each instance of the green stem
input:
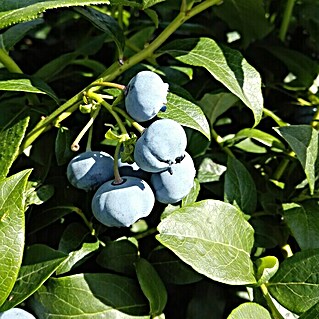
(282, 167)
(109, 84)
(220, 141)
(138, 126)
(117, 177)
(98, 99)
(117, 69)
(276, 118)
(274, 311)
(75, 145)
(286, 19)
(149, 232)
(12, 67)
(87, 223)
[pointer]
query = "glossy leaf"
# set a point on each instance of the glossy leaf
(214, 105)
(22, 83)
(266, 268)
(312, 313)
(39, 263)
(227, 65)
(16, 33)
(14, 11)
(186, 113)
(249, 310)
(171, 269)
(302, 220)
(152, 286)
(149, 3)
(10, 140)
(97, 296)
(192, 195)
(303, 140)
(248, 17)
(119, 256)
(107, 24)
(296, 284)
(209, 171)
(218, 236)
(12, 207)
(75, 242)
(240, 188)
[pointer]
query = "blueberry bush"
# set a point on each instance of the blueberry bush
(159, 159)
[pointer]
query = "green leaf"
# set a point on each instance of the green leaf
(14, 11)
(74, 243)
(107, 24)
(215, 105)
(300, 65)
(39, 195)
(149, 3)
(12, 207)
(303, 140)
(240, 189)
(266, 268)
(191, 197)
(209, 171)
(171, 269)
(152, 286)
(312, 313)
(63, 142)
(227, 65)
(23, 83)
(119, 256)
(10, 140)
(259, 136)
(296, 284)
(186, 113)
(16, 33)
(153, 15)
(248, 17)
(39, 263)
(218, 236)
(249, 310)
(97, 296)
(302, 220)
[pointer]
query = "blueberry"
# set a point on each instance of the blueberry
(90, 169)
(160, 146)
(16, 313)
(121, 205)
(145, 96)
(172, 185)
(132, 169)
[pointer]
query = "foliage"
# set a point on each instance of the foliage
(243, 83)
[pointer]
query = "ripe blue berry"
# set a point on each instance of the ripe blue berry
(90, 169)
(121, 205)
(172, 185)
(16, 313)
(162, 144)
(145, 96)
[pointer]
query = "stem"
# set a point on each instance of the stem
(87, 223)
(274, 311)
(117, 177)
(109, 84)
(117, 69)
(12, 67)
(98, 99)
(286, 19)
(220, 141)
(282, 167)
(287, 251)
(276, 118)
(75, 145)
(138, 126)
(149, 232)
(89, 141)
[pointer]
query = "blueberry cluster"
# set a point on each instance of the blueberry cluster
(159, 155)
